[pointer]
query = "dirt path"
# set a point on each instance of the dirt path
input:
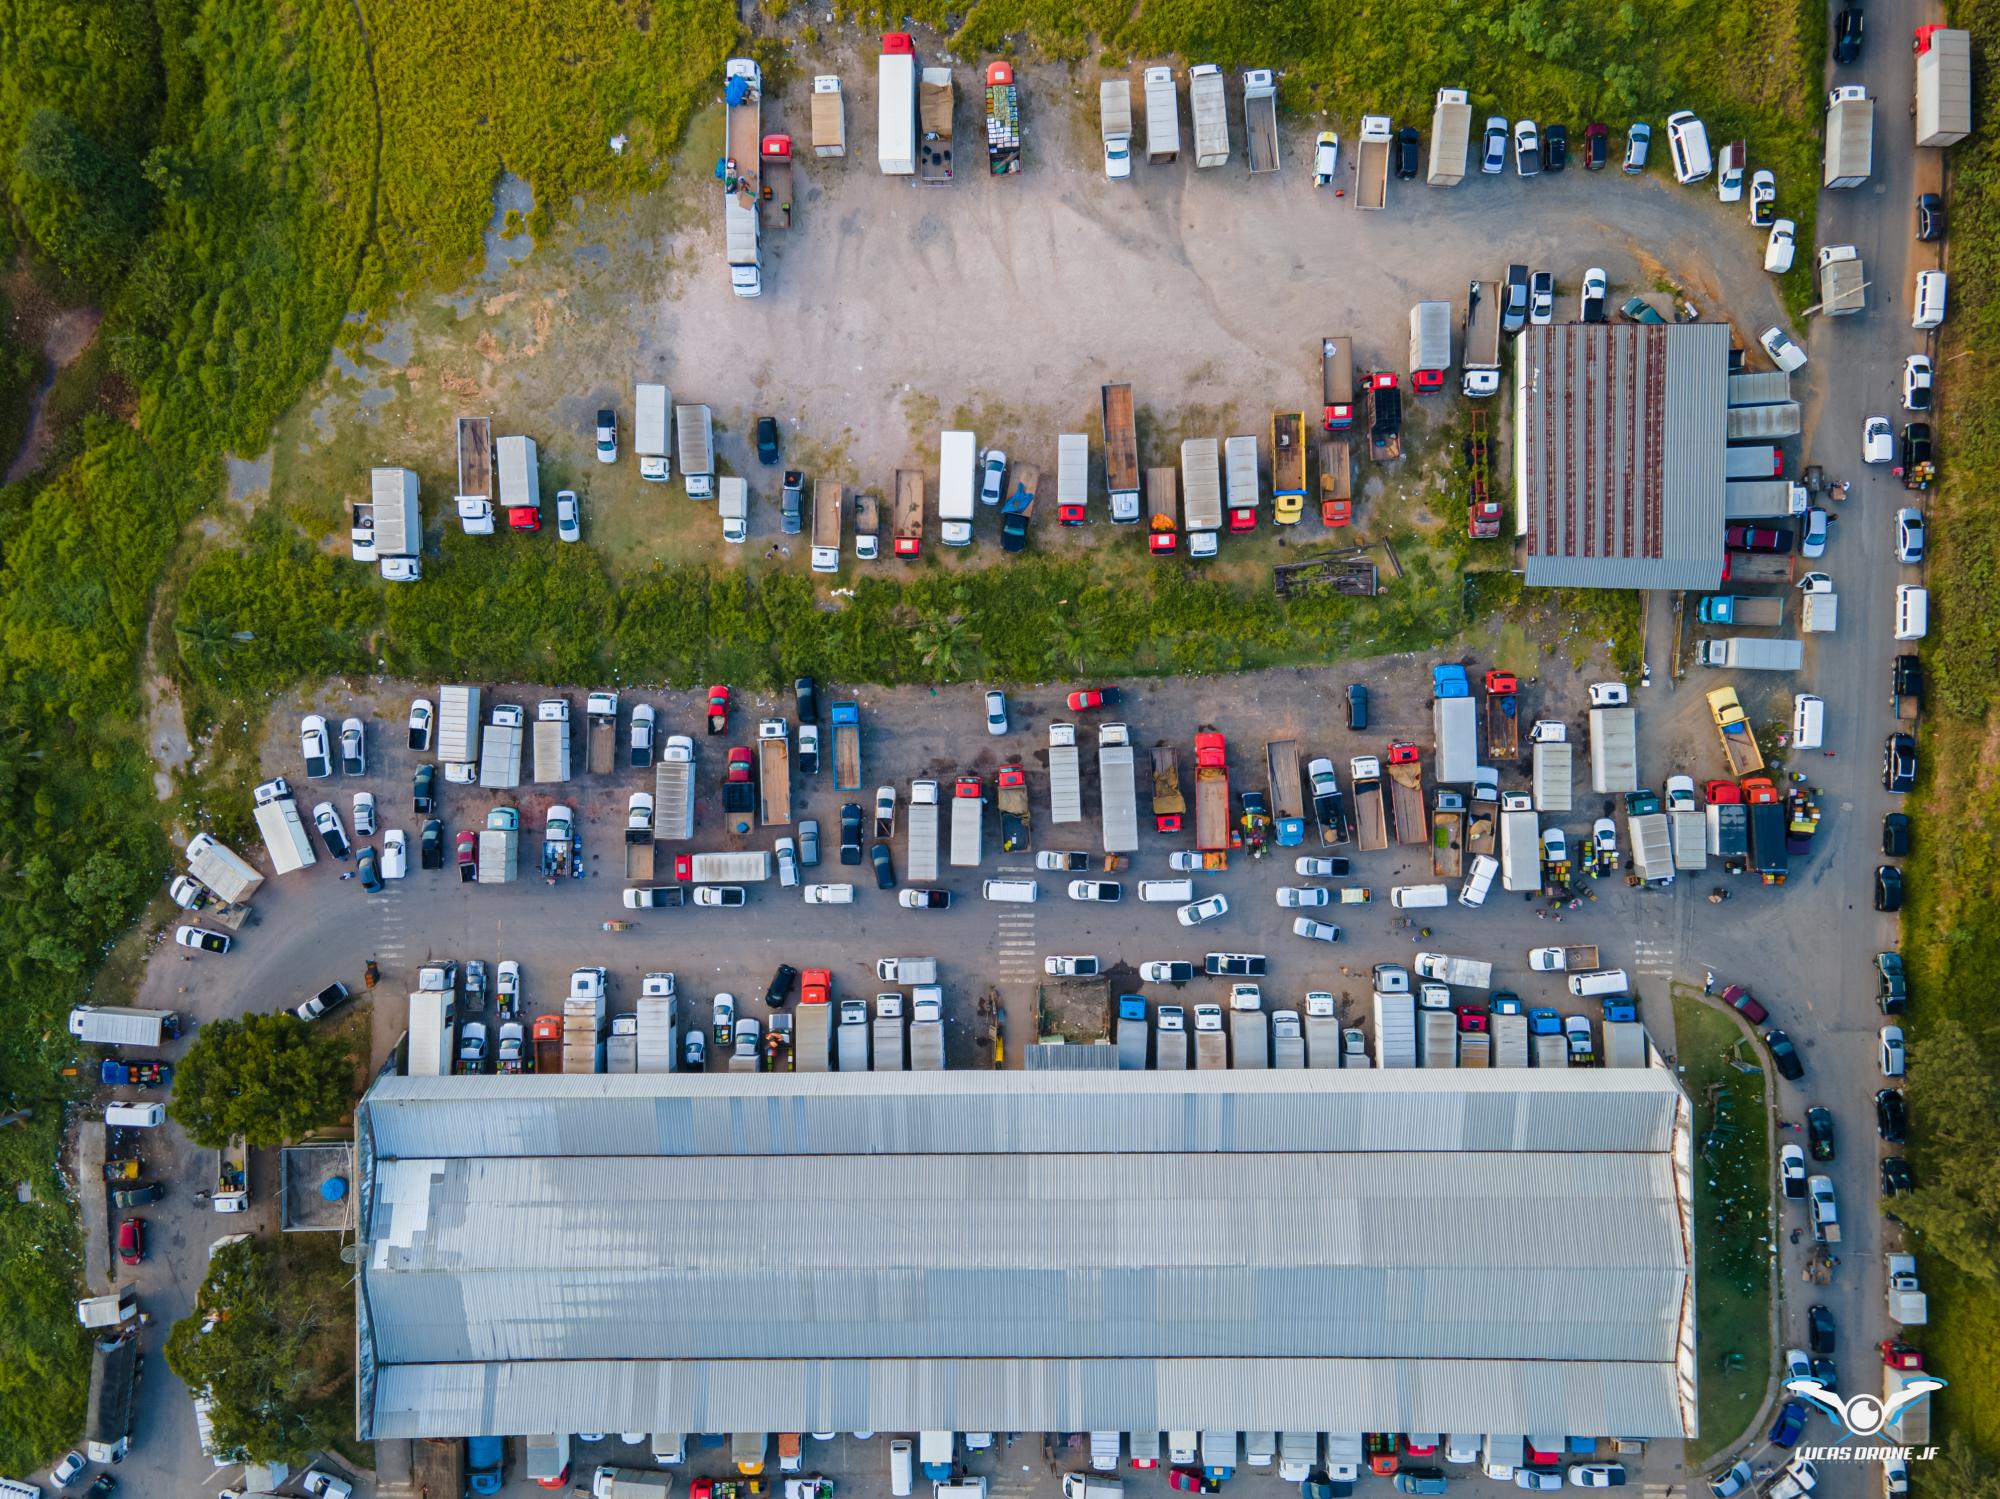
(63, 342)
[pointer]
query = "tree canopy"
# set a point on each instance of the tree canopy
(268, 1078)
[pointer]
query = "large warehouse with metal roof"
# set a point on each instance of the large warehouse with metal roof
(1405, 1251)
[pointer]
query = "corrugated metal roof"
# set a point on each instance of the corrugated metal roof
(1619, 431)
(1638, 1400)
(1019, 1251)
(1061, 1058)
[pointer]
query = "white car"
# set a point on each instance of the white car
(353, 758)
(1878, 440)
(788, 863)
(1166, 971)
(822, 895)
(725, 1019)
(1555, 845)
(395, 854)
(748, 1033)
(63, 1474)
(507, 984)
(1797, 1364)
(721, 895)
(1781, 247)
(992, 477)
(1527, 149)
(1118, 159)
(1318, 931)
(1816, 583)
(1294, 897)
(1792, 1171)
(364, 813)
(1071, 968)
(326, 817)
(1194, 913)
(1591, 298)
(1909, 536)
(996, 712)
(1604, 837)
(1493, 150)
(1597, 1476)
(1785, 354)
(323, 1485)
(1103, 890)
(1541, 299)
(1538, 1480)
(420, 723)
(1892, 1048)
(1680, 794)
(569, 516)
(203, 940)
(187, 892)
(315, 745)
(1812, 540)
(1314, 867)
(1918, 377)
(1326, 159)
(1763, 193)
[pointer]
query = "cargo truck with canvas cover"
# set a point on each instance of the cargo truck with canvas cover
(1211, 790)
(1201, 494)
(1072, 478)
(521, 483)
(500, 748)
(1764, 423)
(221, 869)
(1520, 844)
(551, 741)
(1430, 346)
(1455, 721)
(1395, 1030)
(1554, 770)
(1065, 785)
(673, 790)
(1118, 787)
(1944, 84)
(284, 831)
(1121, 452)
(1451, 137)
(1163, 117)
(920, 851)
(1249, 1029)
(1210, 107)
(1850, 136)
(652, 435)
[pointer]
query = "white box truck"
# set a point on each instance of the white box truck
(1201, 494)
(1065, 785)
(896, 120)
(1163, 116)
(695, 433)
(284, 833)
(958, 457)
(399, 524)
(1451, 135)
(1850, 136)
(1210, 107)
(652, 435)
(1944, 85)
(1520, 843)
(920, 854)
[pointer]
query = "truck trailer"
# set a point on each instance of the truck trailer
(1451, 137)
(1117, 786)
(1944, 85)
(1065, 784)
(1121, 452)
(896, 101)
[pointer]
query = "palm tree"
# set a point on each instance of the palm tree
(940, 638)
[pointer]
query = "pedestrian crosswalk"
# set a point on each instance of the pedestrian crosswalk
(1017, 954)
(1655, 959)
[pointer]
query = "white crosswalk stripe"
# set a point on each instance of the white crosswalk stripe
(1659, 959)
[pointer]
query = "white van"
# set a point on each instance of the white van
(1017, 891)
(901, 1468)
(1500, 1456)
(1808, 721)
(10, 1489)
(1929, 301)
(1178, 891)
(1603, 981)
(1687, 138)
(135, 1115)
(1478, 880)
(1412, 897)
(1913, 612)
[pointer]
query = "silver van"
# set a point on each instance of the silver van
(135, 1115)
(1913, 612)
(1415, 897)
(1020, 892)
(1808, 721)
(1177, 891)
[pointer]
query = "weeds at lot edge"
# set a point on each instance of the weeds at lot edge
(1734, 1254)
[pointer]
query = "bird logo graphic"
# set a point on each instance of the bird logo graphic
(1864, 1414)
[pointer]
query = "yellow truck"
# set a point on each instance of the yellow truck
(1732, 726)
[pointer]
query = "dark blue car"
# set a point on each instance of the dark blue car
(1790, 1424)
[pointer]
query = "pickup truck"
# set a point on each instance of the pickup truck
(1825, 1214)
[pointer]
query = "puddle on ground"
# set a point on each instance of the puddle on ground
(503, 250)
(395, 346)
(248, 476)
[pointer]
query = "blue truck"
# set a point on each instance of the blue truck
(1019, 508)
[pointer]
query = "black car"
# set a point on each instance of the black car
(1930, 217)
(1819, 1330)
(850, 833)
(1888, 888)
(1897, 1178)
(1892, 1117)
(1784, 1055)
(430, 845)
(423, 791)
(1847, 32)
(1906, 678)
(806, 692)
(779, 991)
(1916, 454)
(1824, 1372)
(1514, 300)
(1596, 146)
(1407, 142)
(151, 1192)
(791, 501)
(1892, 991)
(1555, 148)
(885, 871)
(1819, 1133)
(1899, 763)
(1236, 965)
(1896, 835)
(1357, 707)
(767, 440)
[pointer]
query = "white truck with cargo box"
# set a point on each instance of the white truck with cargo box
(752, 866)
(121, 1025)
(1163, 116)
(1554, 768)
(1751, 653)
(1850, 136)
(926, 1030)
(1210, 107)
(1510, 1040)
(732, 508)
(284, 833)
(1249, 1028)
(433, 1038)
(1624, 1043)
(1819, 613)
(1288, 1042)
(1440, 1038)
(398, 524)
(1072, 477)
(1118, 787)
(896, 101)
(958, 456)
(694, 433)
(1520, 843)
(1690, 835)
(920, 856)
(659, 1034)
(630, 1483)
(520, 481)
(652, 434)
(500, 748)
(458, 726)
(1451, 137)
(1322, 1029)
(1614, 749)
(221, 869)
(673, 790)
(552, 741)
(1455, 720)
(1843, 289)
(1482, 340)
(1763, 423)
(1762, 499)
(1065, 784)
(1395, 1030)
(1114, 120)
(1464, 973)
(1908, 1306)
(1944, 84)
(1201, 494)
(851, 1036)
(888, 1054)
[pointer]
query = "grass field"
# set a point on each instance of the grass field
(1733, 1222)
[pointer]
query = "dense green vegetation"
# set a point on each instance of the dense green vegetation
(1951, 919)
(271, 1339)
(229, 183)
(268, 1078)
(1725, 1081)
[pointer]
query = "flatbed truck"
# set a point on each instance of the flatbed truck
(906, 522)
(828, 495)
(1732, 727)
(1744, 613)
(1211, 790)
(1371, 833)
(1260, 120)
(774, 773)
(846, 746)
(1371, 189)
(1121, 452)
(1406, 789)
(1281, 765)
(1503, 717)
(1169, 806)
(1448, 835)
(1012, 799)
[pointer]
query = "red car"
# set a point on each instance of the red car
(1738, 998)
(1723, 793)
(1093, 697)
(1188, 1481)
(132, 1241)
(718, 709)
(1471, 1019)
(1757, 539)
(561, 1479)
(468, 848)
